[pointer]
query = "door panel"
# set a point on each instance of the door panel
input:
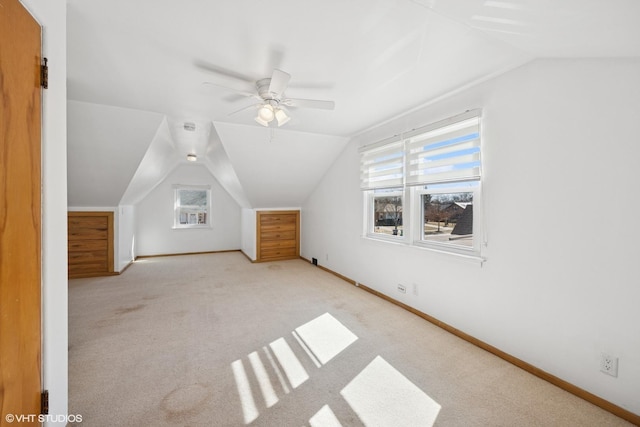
(20, 212)
(90, 244)
(278, 235)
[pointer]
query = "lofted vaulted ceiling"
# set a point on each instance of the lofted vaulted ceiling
(136, 71)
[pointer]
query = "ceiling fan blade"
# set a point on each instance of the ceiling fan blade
(275, 58)
(206, 66)
(241, 92)
(309, 103)
(279, 82)
(250, 107)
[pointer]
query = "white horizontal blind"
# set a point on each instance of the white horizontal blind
(382, 165)
(445, 153)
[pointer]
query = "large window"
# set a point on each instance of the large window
(387, 211)
(423, 188)
(191, 206)
(382, 176)
(446, 215)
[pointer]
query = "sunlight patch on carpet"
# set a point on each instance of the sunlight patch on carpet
(325, 337)
(275, 368)
(306, 349)
(382, 396)
(322, 339)
(290, 364)
(249, 409)
(324, 418)
(269, 394)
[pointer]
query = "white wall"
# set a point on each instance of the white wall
(560, 186)
(154, 218)
(51, 14)
(126, 236)
(248, 233)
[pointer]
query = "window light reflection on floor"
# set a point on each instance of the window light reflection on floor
(326, 337)
(324, 418)
(378, 394)
(249, 409)
(306, 349)
(322, 338)
(381, 395)
(269, 394)
(276, 369)
(296, 374)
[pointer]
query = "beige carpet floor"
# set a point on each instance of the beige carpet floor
(214, 340)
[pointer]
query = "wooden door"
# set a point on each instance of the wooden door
(20, 213)
(278, 235)
(90, 244)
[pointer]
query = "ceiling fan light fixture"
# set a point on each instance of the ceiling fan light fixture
(266, 113)
(262, 122)
(282, 117)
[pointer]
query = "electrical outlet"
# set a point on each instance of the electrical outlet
(314, 261)
(609, 365)
(402, 289)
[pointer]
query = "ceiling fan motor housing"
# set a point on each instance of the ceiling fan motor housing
(263, 90)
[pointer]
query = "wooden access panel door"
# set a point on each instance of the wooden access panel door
(90, 244)
(278, 235)
(20, 213)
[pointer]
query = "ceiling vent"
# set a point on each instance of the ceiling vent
(190, 127)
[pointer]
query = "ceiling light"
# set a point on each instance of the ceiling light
(266, 113)
(262, 122)
(192, 157)
(282, 117)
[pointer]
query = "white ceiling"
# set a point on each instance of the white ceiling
(107, 144)
(375, 59)
(283, 166)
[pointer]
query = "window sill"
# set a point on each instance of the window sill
(192, 227)
(472, 258)
(387, 238)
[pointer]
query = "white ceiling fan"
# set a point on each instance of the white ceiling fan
(273, 103)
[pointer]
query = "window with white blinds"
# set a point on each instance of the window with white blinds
(449, 153)
(382, 165)
(422, 188)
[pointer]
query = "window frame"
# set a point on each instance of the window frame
(411, 192)
(458, 187)
(370, 206)
(177, 225)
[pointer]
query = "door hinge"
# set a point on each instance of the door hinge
(44, 74)
(44, 402)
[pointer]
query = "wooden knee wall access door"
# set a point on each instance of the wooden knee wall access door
(278, 234)
(90, 244)
(20, 214)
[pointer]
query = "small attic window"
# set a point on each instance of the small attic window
(192, 206)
